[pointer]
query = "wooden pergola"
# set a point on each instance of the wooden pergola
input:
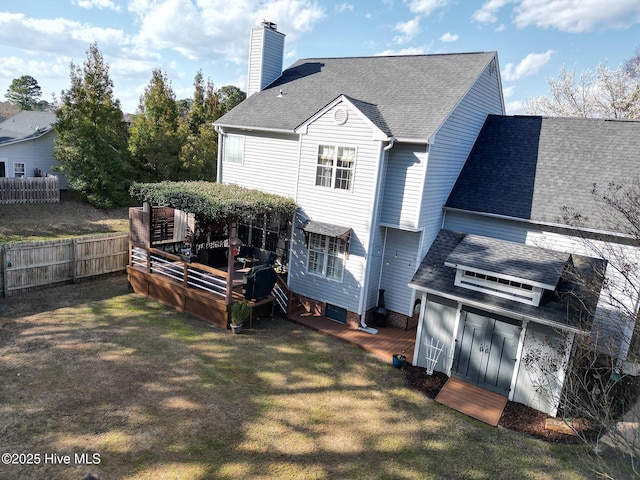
(197, 289)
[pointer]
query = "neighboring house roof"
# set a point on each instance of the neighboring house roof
(409, 96)
(542, 168)
(26, 125)
(564, 307)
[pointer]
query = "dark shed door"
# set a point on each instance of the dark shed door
(486, 351)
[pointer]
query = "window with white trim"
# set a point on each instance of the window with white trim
(326, 256)
(233, 149)
(18, 169)
(335, 166)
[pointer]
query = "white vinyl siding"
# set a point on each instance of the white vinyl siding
(266, 49)
(233, 149)
(400, 262)
(270, 164)
(453, 143)
(403, 185)
(349, 208)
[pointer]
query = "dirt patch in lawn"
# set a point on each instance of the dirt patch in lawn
(70, 217)
(516, 416)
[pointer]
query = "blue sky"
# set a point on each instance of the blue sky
(533, 38)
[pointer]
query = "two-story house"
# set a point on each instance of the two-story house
(369, 148)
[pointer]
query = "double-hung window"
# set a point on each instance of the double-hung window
(233, 149)
(326, 256)
(335, 166)
(18, 169)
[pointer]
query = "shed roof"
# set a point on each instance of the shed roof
(26, 125)
(569, 306)
(542, 168)
(412, 94)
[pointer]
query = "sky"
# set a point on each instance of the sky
(534, 38)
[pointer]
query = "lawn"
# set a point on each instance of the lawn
(150, 393)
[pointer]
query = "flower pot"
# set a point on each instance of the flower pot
(398, 360)
(236, 328)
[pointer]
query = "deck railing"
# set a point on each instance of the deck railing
(283, 296)
(193, 275)
(29, 190)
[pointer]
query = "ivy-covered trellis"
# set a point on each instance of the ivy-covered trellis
(214, 203)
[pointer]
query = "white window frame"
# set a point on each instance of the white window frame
(326, 256)
(233, 149)
(328, 167)
(16, 168)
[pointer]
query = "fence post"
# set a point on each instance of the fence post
(3, 258)
(74, 256)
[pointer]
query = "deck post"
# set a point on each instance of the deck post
(233, 240)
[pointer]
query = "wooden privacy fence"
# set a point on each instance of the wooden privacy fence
(29, 190)
(35, 264)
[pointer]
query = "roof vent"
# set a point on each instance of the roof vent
(340, 116)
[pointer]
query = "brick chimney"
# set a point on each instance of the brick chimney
(266, 52)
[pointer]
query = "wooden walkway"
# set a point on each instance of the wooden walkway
(387, 342)
(471, 400)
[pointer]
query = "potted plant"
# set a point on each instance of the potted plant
(240, 311)
(399, 360)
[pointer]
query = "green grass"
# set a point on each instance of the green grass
(94, 368)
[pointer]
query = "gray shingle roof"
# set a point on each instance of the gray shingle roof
(563, 307)
(525, 262)
(533, 168)
(26, 125)
(413, 94)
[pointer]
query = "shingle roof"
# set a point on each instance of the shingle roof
(534, 168)
(526, 262)
(26, 125)
(413, 94)
(564, 307)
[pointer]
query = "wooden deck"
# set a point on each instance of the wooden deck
(471, 400)
(387, 342)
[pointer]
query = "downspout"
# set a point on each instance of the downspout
(374, 224)
(219, 154)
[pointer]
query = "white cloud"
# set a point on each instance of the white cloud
(530, 65)
(508, 91)
(403, 51)
(97, 4)
(408, 30)
(573, 16)
(425, 7)
(213, 31)
(449, 37)
(487, 13)
(344, 7)
(514, 108)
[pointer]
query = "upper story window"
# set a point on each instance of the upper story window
(326, 256)
(233, 149)
(335, 166)
(18, 169)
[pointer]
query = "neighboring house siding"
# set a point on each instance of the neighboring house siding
(269, 163)
(349, 208)
(403, 184)
(401, 260)
(34, 154)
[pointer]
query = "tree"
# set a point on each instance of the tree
(91, 136)
(229, 96)
(601, 388)
(604, 94)
(157, 133)
(24, 92)
(200, 152)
